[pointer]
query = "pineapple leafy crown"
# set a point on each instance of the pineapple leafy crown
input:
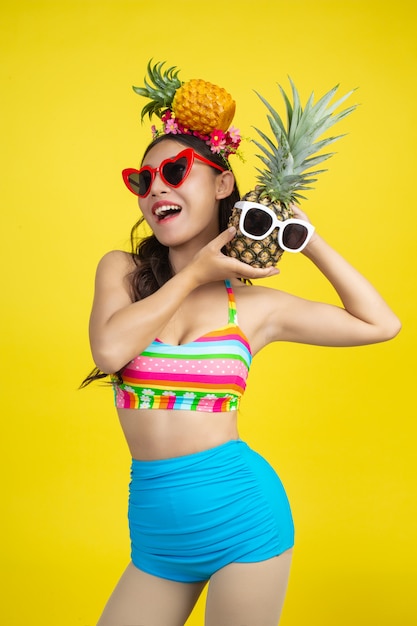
(289, 159)
(162, 86)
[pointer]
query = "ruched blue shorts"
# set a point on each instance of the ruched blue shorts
(191, 515)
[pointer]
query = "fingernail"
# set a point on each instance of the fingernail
(232, 229)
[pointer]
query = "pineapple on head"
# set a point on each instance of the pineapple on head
(194, 107)
(287, 167)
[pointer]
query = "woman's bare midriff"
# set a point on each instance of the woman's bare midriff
(159, 434)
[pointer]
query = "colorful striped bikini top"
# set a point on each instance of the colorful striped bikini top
(208, 374)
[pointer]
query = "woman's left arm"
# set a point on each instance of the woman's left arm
(364, 318)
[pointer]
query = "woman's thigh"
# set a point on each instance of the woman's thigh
(248, 594)
(142, 599)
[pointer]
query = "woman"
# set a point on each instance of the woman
(203, 506)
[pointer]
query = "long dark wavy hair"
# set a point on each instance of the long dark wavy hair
(151, 258)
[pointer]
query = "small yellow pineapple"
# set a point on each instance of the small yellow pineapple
(258, 253)
(287, 164)
(203, 106)
(197, 104)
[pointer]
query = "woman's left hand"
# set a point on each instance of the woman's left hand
(300, 215)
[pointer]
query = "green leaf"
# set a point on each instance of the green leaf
(289, 163)
(274, 113)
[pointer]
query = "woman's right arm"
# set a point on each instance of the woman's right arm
(119, 328)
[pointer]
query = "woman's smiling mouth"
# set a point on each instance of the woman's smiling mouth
(163, 211)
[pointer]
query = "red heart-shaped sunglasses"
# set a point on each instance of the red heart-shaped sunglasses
(172, 171)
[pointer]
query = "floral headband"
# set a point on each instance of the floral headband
(196, 107)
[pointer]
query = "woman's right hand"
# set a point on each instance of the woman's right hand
(210, 264)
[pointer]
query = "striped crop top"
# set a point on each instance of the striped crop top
(208, 374)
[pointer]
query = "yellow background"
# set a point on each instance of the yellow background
(338, 424)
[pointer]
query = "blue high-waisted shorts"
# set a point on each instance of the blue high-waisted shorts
(191, 515)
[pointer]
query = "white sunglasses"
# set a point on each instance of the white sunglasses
(258, 221)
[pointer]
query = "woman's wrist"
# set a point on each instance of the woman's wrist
(314, 246)
(188, 278)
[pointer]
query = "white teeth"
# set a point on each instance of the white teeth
(163, 210)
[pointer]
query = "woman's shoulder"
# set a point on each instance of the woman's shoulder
(116, 260)
(116, 263)
(260, 298)
(254, 292)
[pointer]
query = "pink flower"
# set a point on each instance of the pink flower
(217, 137)
(171, 126)
(234, 134)
(217, 141)
(218, 147)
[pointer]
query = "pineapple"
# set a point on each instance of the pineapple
(287, 165)
(197, 105)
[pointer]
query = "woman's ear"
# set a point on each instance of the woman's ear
(225, 183)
